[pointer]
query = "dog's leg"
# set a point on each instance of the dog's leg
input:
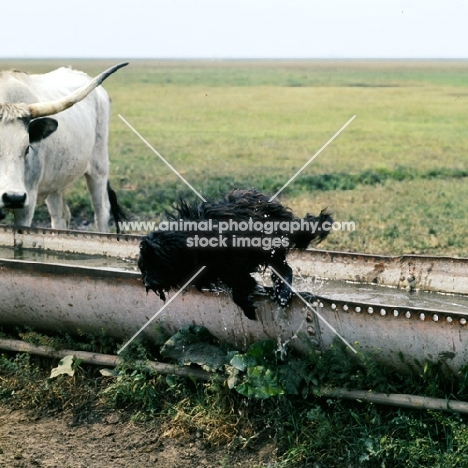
(242, 291)
(282, 293)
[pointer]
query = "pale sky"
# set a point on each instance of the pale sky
(217, 29)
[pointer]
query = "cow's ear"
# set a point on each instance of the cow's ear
(41, 128)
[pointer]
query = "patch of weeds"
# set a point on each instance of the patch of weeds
(98, 342)
(276, 400)
(26, 383)
(16, 375)
(137, 390)
(212, 412)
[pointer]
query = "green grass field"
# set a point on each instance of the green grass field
(398, 170)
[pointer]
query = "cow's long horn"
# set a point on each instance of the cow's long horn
(41, 109)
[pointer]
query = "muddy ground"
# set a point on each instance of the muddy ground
(29, 441)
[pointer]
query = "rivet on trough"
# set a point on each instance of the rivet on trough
(345, 307)
(383, 312)
(315, 304)
(333, 306)
(396, 313)
(408, 314)
(357, 309)
(370, 310)
(315, 342)
(309, 318)
(422, 316)
(435, 317)
(463, 321)
(449, 319)
(311, 330)
(320, 304)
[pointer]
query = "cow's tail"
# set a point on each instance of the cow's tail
(116, 210)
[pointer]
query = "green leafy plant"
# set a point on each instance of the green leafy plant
(262, 372)
(194, 344)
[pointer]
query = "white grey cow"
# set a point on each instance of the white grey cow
(41, 157)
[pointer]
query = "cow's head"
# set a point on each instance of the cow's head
(23, 125)
(18, 131)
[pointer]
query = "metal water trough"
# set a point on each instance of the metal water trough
(410, 306)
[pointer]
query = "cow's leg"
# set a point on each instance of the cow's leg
(97, 173)
(58, 209)
(97, 186)
(24, 216)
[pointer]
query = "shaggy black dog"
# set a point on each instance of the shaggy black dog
(234, 237)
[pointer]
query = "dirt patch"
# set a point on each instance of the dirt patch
(27, 441)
